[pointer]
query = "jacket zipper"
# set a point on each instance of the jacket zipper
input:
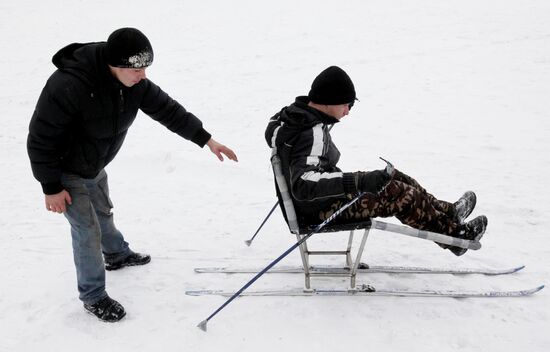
(115, 117)
(120, 109)
(121, 103)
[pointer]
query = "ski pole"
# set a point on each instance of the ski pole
(202, 324)
(249, 242)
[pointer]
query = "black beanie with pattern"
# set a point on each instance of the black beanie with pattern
(129, 48)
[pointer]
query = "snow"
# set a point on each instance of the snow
(451, 92)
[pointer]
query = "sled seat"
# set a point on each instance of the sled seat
(304, 230)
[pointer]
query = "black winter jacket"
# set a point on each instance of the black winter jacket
(309, 157)
(83, 115)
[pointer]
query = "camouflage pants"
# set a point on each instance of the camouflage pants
(405, 199)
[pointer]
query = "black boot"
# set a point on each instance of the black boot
(107, 310)
(464, 206)
(473, 231)
(131, 260)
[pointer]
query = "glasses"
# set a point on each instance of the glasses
(350, 105)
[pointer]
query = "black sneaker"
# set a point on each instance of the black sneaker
(107, 310)
(131, 260)
(465, 205)
(473, 231)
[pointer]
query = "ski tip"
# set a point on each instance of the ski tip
(521, 268)
(532, 291)
(202, 325)
(248, 242)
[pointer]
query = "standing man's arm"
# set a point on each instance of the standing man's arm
(49, 137)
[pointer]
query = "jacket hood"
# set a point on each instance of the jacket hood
(301, 115)
(86, 61)
(295, 118)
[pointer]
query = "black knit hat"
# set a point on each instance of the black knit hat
(332, 87)
(129, 48)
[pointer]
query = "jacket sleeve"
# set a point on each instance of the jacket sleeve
(49, 131)
(162, 108)
(310, 177)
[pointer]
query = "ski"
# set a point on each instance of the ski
(363, 268)
(367, 290)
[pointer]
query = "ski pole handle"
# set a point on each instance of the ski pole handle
(389, 167)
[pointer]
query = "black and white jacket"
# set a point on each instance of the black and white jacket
(309, 157)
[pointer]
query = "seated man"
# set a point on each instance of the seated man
(301, 134)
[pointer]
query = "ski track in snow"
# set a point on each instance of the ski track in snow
(453, 93)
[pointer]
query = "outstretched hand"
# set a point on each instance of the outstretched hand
(372, 181)
(220, 149)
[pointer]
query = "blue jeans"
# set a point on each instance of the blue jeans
(93, 233)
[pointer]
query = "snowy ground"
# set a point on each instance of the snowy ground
(452, 92)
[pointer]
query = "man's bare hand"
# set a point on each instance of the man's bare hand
(58, 202)
(220, 149)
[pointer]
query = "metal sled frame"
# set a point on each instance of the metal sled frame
(300, 232)
(350, 270)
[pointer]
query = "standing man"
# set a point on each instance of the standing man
(78, 127)
(300, 133)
